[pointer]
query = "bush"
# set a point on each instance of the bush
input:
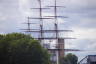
(17, 48)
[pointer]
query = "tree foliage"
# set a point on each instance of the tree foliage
(69, 59)
(17, 48)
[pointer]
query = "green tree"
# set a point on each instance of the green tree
(17, 48)
(69, 59)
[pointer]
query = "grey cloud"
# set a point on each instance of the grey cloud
(10, 16)
(81, 14)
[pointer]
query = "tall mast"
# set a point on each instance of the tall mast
(59, 40)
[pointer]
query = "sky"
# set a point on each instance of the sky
(81, 19)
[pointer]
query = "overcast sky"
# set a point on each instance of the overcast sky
(81, 13)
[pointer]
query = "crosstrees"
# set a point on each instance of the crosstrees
(60, 51)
